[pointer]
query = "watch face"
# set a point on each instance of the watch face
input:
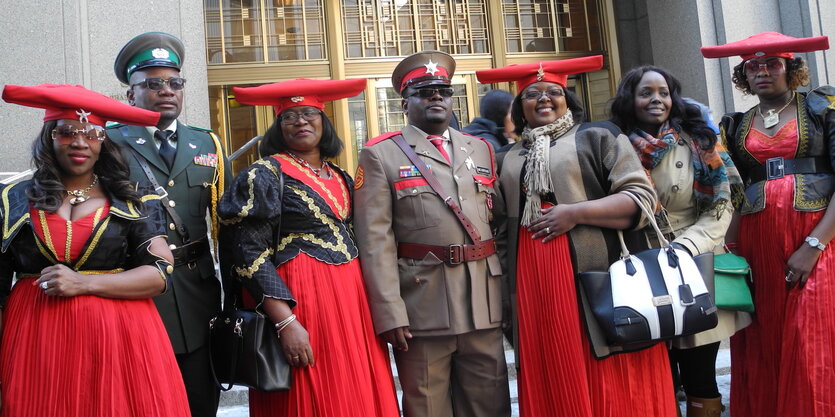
(814, 241)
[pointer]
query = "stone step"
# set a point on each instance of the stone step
(233, 403)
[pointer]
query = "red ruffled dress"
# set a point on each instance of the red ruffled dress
(783, 364)
(352, 372)
(84, 356)
(558, 375)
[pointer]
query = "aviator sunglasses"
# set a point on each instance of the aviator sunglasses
(156, 84)
(65, 135)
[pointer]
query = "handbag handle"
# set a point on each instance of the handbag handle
(624, 251)
(234, 360)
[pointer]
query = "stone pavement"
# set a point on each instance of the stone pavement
(234, 402)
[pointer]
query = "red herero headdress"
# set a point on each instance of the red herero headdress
(64, 101)
(550, 71)
(767, 44)
(299, 92)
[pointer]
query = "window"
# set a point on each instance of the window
(552, 26)
(264, 30)
(378, 28)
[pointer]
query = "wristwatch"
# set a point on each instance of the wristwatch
(815, 243)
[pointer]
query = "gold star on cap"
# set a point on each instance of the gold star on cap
(431, 67)
(82, 115)
(541, 73)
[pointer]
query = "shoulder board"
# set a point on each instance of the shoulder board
(821, 98)
(202, 129)
(381, 138)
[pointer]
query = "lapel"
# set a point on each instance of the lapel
(462, 148)
(138, 138)
(422, 146)
(187, 148)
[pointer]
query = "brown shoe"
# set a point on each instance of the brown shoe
(704, 407)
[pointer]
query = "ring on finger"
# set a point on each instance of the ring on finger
(548, 230)
(295, 356)
(45, 285)
(789, 276)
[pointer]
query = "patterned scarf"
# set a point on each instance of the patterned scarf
(714, 172)
(537, 164)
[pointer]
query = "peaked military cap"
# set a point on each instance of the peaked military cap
(423, 68)
(150, 49)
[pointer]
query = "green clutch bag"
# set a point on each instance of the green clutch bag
(732, 276)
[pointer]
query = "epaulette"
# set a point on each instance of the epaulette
(378, 139)
(820, 99)
(203, 129)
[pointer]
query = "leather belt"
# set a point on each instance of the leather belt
(190, 252)
(450, 254)
(780, 167)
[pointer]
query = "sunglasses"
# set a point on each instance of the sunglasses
(65, 135)
(536, 94)
(428, 92)
(156, 84)
(291, 117)
(752, 66)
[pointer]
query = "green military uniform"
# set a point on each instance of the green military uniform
(193, 183)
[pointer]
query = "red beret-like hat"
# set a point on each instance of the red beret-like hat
(550, 71)
(767, 44)
(64, 101)
(299, 92)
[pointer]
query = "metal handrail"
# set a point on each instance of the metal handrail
(249, 144)
(17, 177)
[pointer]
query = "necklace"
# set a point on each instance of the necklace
(772, 118)
(307, 164)
(82, 195)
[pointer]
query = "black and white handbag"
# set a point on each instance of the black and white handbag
(653, 295)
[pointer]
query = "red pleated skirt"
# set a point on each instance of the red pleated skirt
(558, 374)
(352, 376)
(86, 356)
(783, 364)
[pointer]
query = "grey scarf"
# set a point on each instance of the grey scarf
(537, 163)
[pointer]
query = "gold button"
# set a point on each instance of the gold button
(679, 164)
(172, 226)
(170, 183)
(414, 191)
(169, 269)
(171, 203)
(172, 246)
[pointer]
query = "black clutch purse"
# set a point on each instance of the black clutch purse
(245, 350)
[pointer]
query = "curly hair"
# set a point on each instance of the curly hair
(273, 142)
(47, 191)
(571, 100)
(683, 116)
(797, 75)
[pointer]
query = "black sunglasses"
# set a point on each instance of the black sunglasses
(156, 84)
(427, 92)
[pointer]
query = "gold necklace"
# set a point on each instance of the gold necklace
(82, 195)
(773, 118)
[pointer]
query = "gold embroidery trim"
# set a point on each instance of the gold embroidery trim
(68, 243)
(93, 243)
(341, 211)
(85, 272)
(340, 247)
(250, 202)
(249, 271)
(47, 237)
(6, 228)
(149, 197)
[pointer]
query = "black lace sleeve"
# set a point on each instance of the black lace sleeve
(250, 213)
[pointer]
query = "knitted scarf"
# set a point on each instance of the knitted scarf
(538, 165)
(714, 172)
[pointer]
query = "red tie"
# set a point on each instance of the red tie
(438, 141)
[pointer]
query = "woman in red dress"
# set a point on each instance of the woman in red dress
(293, 249)
(567, 188)
(784, 363)
(81, 335)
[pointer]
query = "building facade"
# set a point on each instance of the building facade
(249, 42)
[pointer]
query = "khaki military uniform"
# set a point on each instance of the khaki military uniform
(454, 312)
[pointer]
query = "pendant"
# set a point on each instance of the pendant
(78, 199)
(771, 119)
